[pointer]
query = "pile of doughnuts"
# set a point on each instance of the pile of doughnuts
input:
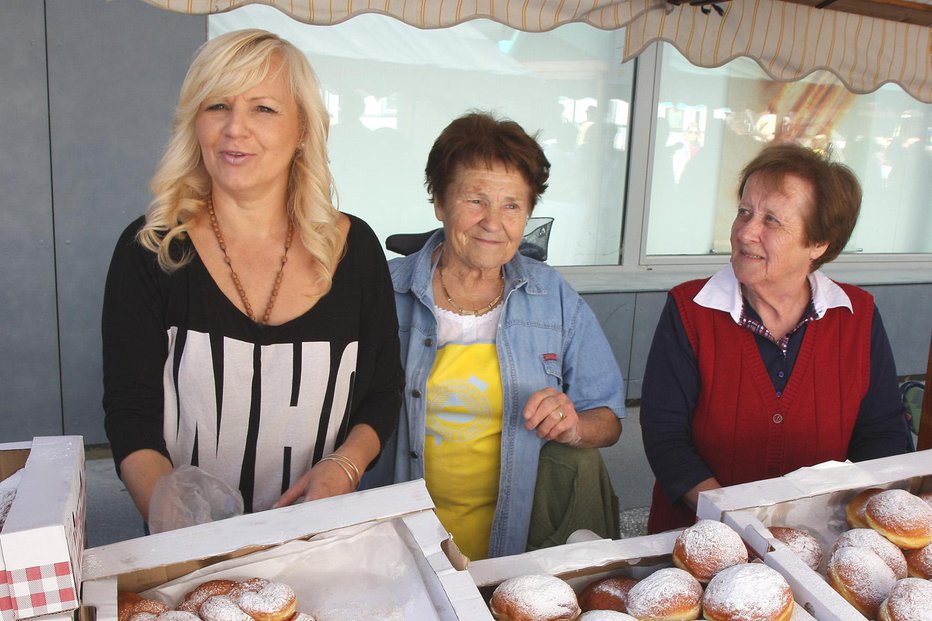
(890, 538)
(252, 599)
(712, 577)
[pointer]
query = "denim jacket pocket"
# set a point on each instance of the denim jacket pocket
(553, 368)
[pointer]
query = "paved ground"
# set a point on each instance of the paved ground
(111, 515)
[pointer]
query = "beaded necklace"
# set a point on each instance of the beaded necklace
(239, 286)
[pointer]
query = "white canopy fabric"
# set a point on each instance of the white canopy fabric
(788, 40)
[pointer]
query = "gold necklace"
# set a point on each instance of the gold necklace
(459, 309)
(239, 286)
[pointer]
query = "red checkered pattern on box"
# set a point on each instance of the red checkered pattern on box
(6, 602)
(42, 589)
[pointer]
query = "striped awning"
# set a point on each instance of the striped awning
(788, 40)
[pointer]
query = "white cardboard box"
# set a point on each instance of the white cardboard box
(582, 563)
(42, 541)
(814, 499)
(303, 537)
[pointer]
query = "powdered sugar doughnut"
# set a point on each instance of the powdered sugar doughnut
(168, 615)
(129, 604)
(534, 598)
(125, 601)
(882, 547)
(244, 586)
(178, 615)
(606, 594)
(264, 600)
(901, 517)
(221, 608)
(671, 594)
(605, 615)
(919, 563)
(910, 600)
(802, 543)
(748, 592)
(706, 548)
(854, 510)
(194, 598)
(861, 577)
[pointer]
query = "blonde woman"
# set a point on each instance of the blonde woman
(249, 327)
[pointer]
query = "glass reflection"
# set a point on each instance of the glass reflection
(710, 122)
(391, 88)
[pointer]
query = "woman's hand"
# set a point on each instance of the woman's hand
(554, 417)
(324, 480)
(338, 473)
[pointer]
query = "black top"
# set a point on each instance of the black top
(187, 374)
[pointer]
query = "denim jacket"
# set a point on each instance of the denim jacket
(547, 336)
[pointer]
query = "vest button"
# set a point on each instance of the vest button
(778, 418)
(428, 342)
(414, 455)
(416, 393)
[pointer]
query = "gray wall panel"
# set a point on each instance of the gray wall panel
(615, 312)
(906, 311)
(30, 398)
(115, 69)
(647, 313)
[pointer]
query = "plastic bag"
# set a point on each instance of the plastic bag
(188, 496)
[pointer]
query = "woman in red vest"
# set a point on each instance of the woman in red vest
(769, 366)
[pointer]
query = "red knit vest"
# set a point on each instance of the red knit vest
(740, 427)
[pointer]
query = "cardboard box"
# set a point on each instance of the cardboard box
(42, 541)
(328, 544)
(587, 561)
(813, 499)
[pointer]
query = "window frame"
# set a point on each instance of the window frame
(639, 271)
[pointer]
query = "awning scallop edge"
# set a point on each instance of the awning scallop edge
(788, 40)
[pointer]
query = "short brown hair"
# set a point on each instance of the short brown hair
(480, 138)
(835, 190)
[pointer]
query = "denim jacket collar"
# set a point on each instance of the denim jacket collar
(417, 276)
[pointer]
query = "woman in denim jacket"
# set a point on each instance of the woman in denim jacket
(501, 355)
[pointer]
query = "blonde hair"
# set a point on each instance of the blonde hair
(225, 66)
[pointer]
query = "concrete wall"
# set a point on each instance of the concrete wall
(87, 89)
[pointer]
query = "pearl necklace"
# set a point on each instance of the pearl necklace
(459, 309)
(239, 286)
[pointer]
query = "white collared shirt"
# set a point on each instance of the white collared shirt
(723, 292)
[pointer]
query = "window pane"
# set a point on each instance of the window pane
(391, 88)
(713, 121)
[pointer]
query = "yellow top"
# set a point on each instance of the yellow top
(462, 451)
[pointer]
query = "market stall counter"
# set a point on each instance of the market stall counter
(372, 555)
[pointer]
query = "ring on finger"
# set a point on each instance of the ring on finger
(562, 415)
